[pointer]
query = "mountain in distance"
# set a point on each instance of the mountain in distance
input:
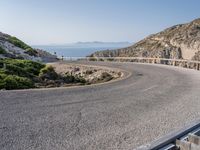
(102, 44)
(178, 42)
(94, 44)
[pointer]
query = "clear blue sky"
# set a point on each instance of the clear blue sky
(66, 21)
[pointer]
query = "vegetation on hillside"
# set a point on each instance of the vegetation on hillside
(2, 51)
(15, 41)
(18, 74)
(24, 74)
(29, 50)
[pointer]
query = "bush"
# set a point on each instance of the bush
(2, 51)
(79, 79)
(92, 59)
(28, 66)
(15, 70)
(16, 82)
(110, 59)
(48, 72)
(2, 82)
(23, 74)
(18, 74)
(15, 41)
(106, 76)
(69, 78)
(31, 52)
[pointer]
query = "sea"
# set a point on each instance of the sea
(66, 51)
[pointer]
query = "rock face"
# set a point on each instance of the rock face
(11, 47)
(178, 42)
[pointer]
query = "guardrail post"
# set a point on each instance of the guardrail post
(159, 61)
(174, 63)
(154, 61)
(183, 145)
(194, 139)
(188, 64)
(197, 66)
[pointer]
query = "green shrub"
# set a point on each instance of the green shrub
(15, 41)
(68, 78)
(15, 82)
(92, 59)
(31, 52)
(48, 72)
(79, 79)
(15, 70)
(28, 66)
(23, 74)
(2, 82)
(18, 74)
(10, 83)
(2, 75)
(2, 51)
(110, 59)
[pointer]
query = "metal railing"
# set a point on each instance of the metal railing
(174, 62)
(169, 142)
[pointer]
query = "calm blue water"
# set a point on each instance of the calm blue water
(72, 51)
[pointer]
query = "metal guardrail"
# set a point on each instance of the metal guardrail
(169, 142)
(174, 62)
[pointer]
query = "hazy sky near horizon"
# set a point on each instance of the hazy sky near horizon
(40, 22)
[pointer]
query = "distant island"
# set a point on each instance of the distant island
(101, 44)
(81, 49)
(92, 44)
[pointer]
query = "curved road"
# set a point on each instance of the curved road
(121, 115)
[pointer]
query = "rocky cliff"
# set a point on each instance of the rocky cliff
(11, 47)
(180, 42)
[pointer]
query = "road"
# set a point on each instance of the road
(122, 115)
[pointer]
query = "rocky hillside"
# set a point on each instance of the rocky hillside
(180, 42)
(11, 47)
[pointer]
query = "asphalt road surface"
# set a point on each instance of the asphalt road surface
(153, 101)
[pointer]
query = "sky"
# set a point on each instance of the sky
(43, 22)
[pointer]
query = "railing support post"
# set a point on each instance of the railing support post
(174, 63)
(197, 66)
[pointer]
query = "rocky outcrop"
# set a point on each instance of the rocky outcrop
(178, 42)
(15, 48)
(91, 74)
